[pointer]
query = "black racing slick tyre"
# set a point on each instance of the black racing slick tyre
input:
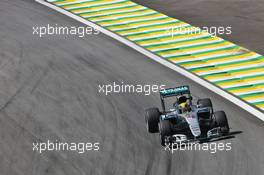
(221, 121)
(206, 102)
(152, 120)
(165, 129)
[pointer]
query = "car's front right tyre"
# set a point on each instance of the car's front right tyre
(165, 129)
(152, 117)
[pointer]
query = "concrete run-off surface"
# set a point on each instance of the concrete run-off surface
(246, 17)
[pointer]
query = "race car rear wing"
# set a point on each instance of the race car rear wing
(176, 91)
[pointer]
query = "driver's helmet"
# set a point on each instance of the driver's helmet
(182, 99)
(184, 107)
(183, 104)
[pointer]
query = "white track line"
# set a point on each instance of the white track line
(94, 5)
(168, 64)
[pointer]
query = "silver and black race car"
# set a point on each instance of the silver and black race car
(185, 121)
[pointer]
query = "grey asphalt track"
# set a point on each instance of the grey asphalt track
(49, 91)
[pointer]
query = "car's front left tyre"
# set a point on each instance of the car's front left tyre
(221, 121)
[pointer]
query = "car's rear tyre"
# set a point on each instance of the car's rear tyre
(206, 102)
(221, 121)
(165, 128)
(152, 120)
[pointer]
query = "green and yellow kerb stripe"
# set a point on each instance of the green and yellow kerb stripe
(225, 64)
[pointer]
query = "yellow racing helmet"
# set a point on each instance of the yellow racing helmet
(184, 107)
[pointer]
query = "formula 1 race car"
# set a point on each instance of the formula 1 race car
(185, 121)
